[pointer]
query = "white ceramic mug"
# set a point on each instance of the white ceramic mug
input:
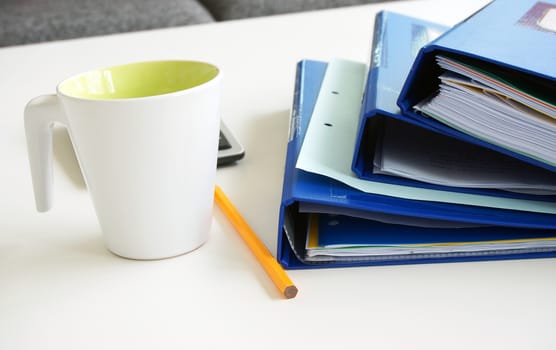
(146, 138)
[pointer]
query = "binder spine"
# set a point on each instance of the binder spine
(377, 60)
(284, 244)
(296, 104)
(369, 95)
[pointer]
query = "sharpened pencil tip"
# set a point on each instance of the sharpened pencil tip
(290, 292)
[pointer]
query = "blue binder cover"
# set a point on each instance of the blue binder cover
(506, 36)
(397, 40)
(337, 230)
(301, 189)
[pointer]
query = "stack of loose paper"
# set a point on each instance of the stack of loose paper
(516, 115)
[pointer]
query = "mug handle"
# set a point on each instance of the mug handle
(41, 113)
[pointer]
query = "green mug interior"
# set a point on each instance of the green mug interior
(138, 80)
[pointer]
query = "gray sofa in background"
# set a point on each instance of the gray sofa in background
(31, 21)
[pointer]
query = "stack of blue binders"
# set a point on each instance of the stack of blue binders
(324, 222)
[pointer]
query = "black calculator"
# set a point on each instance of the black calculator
(229, 149)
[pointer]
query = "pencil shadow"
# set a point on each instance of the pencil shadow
(239, 258)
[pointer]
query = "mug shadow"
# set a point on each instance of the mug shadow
(236, 257)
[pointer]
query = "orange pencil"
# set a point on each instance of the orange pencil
(273, 269)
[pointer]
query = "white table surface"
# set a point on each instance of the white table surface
(61, 289)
